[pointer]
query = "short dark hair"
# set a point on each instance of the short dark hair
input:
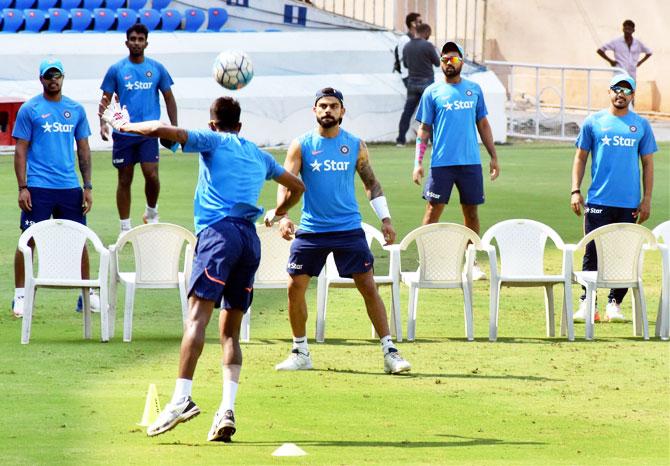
(410, 18)
(424, 28)
(629, 22)
(137, 28)
(227, 111)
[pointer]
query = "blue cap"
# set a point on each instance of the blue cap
(329, 92)
(622, 77)
(452, 47)
(49, 63)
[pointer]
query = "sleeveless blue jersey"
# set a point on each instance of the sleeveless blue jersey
(328, 169)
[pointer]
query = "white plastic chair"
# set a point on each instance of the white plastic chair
(619, 247)
(662, 232)
(271, 273)
(60, 245)
(157, 249)
(522, 243)
(330, 277)
(442, 249)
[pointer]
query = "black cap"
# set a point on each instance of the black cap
(329, 92)
(452, 47)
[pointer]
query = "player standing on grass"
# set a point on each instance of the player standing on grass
(232, 173)
(618, 140)
(137, 80)
(327, 158)
(454, 110)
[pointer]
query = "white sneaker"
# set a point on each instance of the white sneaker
(147, 219)
(296, 361)
(477, 273)
(17, 306)
(613, 312)
(580, 315)
(173, 415)
(223, 427)
(93, 299)
(394, 363)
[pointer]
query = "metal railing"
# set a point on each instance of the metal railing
(461, 20)
(551, 101)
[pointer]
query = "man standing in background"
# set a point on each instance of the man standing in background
(412, 20)
(627, 50)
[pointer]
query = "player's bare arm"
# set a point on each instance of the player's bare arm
(156, 129)
(20, 157)
(373, 189)
(84, 159)
(292, 164)
(485, 133)
(105, 100)
(644, 209)
(422, 136)
(578, 167)
(171, 107)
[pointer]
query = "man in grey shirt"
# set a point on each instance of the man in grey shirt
(419, 56)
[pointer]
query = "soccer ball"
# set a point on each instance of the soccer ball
(233, 69)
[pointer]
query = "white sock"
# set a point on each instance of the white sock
(182, 390)
(19, 293)
(125, 224)
(229, 394)
(387, 344)
(151, 212)
(301, 344)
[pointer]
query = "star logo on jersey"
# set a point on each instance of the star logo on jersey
(344, 150)
(47, 127)
(468, 92)
(448, 105)
(149, 74)
(633, 128)
(67, 114)
(606, 140)
(129, 86)
(316, 166)
(46, 115)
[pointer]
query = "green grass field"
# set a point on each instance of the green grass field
(526, 399)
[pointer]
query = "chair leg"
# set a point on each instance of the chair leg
(396, 322)
(321, 304)
(567, 325)
(411, 311)
(659, 319)
(549, 309)
(494, 309)
(28, 303)
(113, 287)
(245, 331)
(640, 317)
(467, 310)
(128, 312)
(87, 312)
(104, 314)
(590, 311)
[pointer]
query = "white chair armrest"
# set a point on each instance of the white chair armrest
(493, 261)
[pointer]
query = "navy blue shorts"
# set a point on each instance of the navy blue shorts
(226, 259)
(67, 204)
(309, 252)
(129, 150)
(467, 178)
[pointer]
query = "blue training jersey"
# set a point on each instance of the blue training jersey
(328, 168)
(453, 111)
(137, 85)
(616, 144)
(231, 174)
(52, 129)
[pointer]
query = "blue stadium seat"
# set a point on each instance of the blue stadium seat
(150, 18)
(44, 5)
(171, 19)
(12, 19)
(273, 30)
(58, 19)
(248, 30)
(193, 19)
(5, 4)
(136, 5)
(23, 4)
(92, 4)
(216, 18)
(34, 20)
(158, 5)
(81, 19)
(125, 18)
(103, 19)
(115, 4)
(70, 4)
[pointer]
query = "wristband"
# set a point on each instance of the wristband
(22, 187)
(381, 208)
(576, 191)
(420, 152)
(88, 186)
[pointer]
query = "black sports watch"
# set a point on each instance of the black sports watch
(88, 186)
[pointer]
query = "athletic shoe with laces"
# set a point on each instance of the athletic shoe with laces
(394, 363)
(146, 219)
(477, 273)
(173, 415)
(580, 315)
(296, 361)
(17, 306)
(93, 299)
(223, 427)
(613, 312)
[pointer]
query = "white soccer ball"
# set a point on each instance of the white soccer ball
(233, 69)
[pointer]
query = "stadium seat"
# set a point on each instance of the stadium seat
(81, 20)
(442, 248)
(58, 19)
(70, 4)
(5, 4)
(193, 19)
(103, 19)
(23, 4)
(125, 18)
(45, 5)
(619, 247)
(12, 20)
(521, 244)
(34, 20)
(136, 5)
(271, 273)
(150, 18)
(273, 30)
(216, 18)
(171, 19)
(158, 5)
(662, 233)
(115, 4)
(248, 30)
(157, 249)
(92, 4)
(59, 245)
(330, 277)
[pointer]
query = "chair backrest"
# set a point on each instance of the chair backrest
(521, 243)
(35, 19)
(92, 4)
(125, 18)
(216, 17)
(59, 245)
(12, 19)
(171, 19)
(58, 18)
(136, 4)
(193, 19)
(441, 249)
(371, 234)
(70, 4)
(23, 4)
(150, 18)
(44, 5)
(160, 4)
(619, 249)
(274, 257)
(81, 19)
(5, 4)
(115, 4)
(104, 19)
(157, 249)
(662, 232)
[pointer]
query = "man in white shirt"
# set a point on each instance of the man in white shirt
(627, 50)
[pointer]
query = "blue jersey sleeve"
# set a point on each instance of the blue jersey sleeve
(82, 130)
(480, 110)
(274, 170)
(585, 138)
(648, 142)
(109, 81)
(202, 140)
(23, 126)
(165, 82)
(426, 112)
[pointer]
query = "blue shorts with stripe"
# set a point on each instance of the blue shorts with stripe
(226, 259)
(57, 203)
(129, 150)
(350, 249)
(467, 178)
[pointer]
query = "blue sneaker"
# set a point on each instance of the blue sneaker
(94, 300)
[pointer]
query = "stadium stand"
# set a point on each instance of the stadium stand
(150, 18)
(216, 18)
(70, 4)
(193, 19)
(24, 4)
(115, 4)
(81, 20)
(103, 19)
(136, 5)
(170, 19)
(125, 18)
(34, 20)
(44, 5)
(160, 4)
(12, 20)
(58, 19)
(92, 4)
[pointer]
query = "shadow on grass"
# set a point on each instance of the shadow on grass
(415, 375)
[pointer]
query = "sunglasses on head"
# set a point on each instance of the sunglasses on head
(49, 75)
(622, 90)
(451, 60)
